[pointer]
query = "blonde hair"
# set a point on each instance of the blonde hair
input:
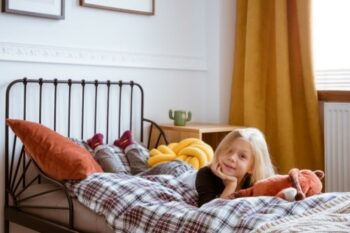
(262, 165)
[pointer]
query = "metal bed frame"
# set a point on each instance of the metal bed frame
(17, 164)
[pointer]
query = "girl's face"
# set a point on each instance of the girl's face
(237, 159)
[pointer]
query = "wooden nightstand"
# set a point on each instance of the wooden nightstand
(209, 133)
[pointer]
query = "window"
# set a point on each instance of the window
(331, 44)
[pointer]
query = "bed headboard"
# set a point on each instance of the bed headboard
(76, 109)
(116, 96)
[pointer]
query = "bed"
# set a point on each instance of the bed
(118, 202)
(76, 109)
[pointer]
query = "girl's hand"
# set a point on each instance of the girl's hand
(229, 181)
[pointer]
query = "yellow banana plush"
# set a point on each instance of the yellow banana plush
(184, 143)
(195, 163)
(172, 145)
(159, 158)
(154, 152)
(206, 148)
(181, 157)
(191, 150)
(165, 149)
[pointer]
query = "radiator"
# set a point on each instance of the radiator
(337, 146)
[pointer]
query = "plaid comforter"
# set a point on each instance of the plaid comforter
(163, 204)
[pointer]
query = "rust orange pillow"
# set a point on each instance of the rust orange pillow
(56, 155)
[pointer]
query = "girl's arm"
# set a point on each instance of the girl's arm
(230, 188)
(230, 182)
(208, 185)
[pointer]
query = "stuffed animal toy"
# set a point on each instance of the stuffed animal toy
(297, 185)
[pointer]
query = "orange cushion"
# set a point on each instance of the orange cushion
(56, 155)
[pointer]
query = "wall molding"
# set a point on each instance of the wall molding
(82, 56)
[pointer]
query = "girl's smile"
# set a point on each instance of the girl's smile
(227, 166)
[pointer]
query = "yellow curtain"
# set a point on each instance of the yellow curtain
(273, 87)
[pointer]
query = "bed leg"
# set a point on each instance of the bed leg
(6, 226)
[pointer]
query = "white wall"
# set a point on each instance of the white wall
(182, 55)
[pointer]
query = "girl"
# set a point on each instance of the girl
(241, 159)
